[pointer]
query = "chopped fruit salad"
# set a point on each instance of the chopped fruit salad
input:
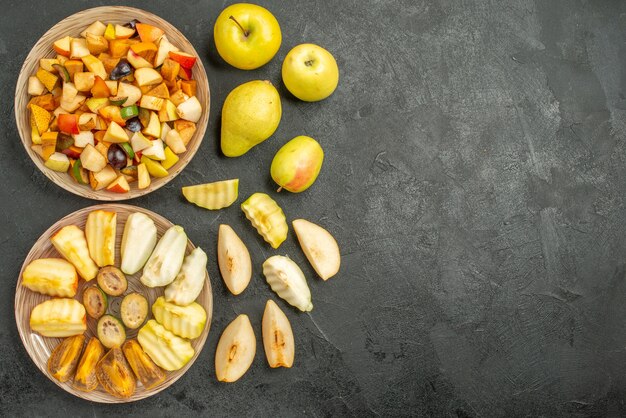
(115, 107)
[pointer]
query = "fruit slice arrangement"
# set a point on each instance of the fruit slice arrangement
(112, 359)
(116, 106)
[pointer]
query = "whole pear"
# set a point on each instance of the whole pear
(297, 164)
(251, 113)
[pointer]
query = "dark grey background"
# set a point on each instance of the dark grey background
(474, 178)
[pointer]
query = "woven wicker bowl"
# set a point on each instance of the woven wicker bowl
(39, 348)
(73, 25)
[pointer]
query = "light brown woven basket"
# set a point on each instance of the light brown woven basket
(72, 26)
(39, 348)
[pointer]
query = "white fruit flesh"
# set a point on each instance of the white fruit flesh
(190, 109)
(51, 276)
(189, 281)
(166, 259)
(59, 318)
(164, 48)
(70, 242)
(277, 336)
(287, 280)
(319, 246)
(233, 259)
(235, 350)
(213, 196)
(100, 231)
(138, 241)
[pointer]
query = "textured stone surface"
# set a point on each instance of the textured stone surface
(474, 178)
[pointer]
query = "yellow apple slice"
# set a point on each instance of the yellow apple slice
(154, 126)
(213, 196)
(147, 76)
(164, 49)
(100, 232)
(133, 93)
(58, 162)
(319, 246)
(59, 317)
(277, 336)
(166, 349)
(70, 242)
(115, 133)
(235, 350)
(233, 259)
(51, 276)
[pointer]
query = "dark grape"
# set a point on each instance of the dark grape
(122, 69)
(133, 124)
(132, 24)
(116, 156)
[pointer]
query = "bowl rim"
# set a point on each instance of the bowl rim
(32, 61)
(23, 333)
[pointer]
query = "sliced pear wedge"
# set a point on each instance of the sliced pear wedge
(234, 260)
(319, 246)
(287, 280)
(277, 336)
(235, 350)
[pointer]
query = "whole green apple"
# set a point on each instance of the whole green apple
(247, 36)
(310, 72)
(297, 164)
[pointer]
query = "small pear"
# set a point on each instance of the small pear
(319, 246)
(233, 259)
(235, 350)
(277, 336)
(296, 165)
(251, 113)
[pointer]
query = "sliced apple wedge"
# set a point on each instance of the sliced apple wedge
(147, 76)
(58, 162)
(115, 133)
(62, 46)
(102, 178)
(140, 142)
(319, 246)
(78, 48)
(71, 243)
(165, 46)
(190, 109)
(155, 151)
(233, 259)
(278, 339)
(235, 350)
(91, 159)
(133, 93)
(119, 185)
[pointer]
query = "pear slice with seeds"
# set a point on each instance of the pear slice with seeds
(234, 260)
(277, 336)
(319, 246)
(235, 350)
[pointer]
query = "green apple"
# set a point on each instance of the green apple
(247, 36)
(310, 72)
(251, 113)
(297, 164)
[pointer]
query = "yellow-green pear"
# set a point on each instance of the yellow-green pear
(250, 115)
(297, 164)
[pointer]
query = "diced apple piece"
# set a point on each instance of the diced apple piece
(185, 73)
(137, 61)
(190, 109)
(92, 160)
(73, 67)
(84, 81)
(102, 178)
(165, 47)
(68, 123)
(147, 76)
(47, 64)
(87, 121)
(109, 32)
(184, 59)
(58, 162)
(168, 112)
(139, 142)
(62, 46)
(112, 113)
(154, 126)
(170, 159)
(186, 129)
(35, 87)
(123, 32)
(175, 142)
(78, 48)
(165, 128)
(154, 167)
(112, 85)
(149, 33)
(96, 28)
(119, 185)
(83, 138)
(102, 147)
(155, 151)
(59, 111)
(95, 66)
(143, 179)
(95, 104)
(115, 134)
(151, 102)
(69, 92)
(96, 44)
(128, 90)
(74, 104)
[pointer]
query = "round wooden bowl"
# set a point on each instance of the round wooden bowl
(72, 26)
(39, 347)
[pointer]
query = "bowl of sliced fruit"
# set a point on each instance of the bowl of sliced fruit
(114, 303)
(112, 103)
